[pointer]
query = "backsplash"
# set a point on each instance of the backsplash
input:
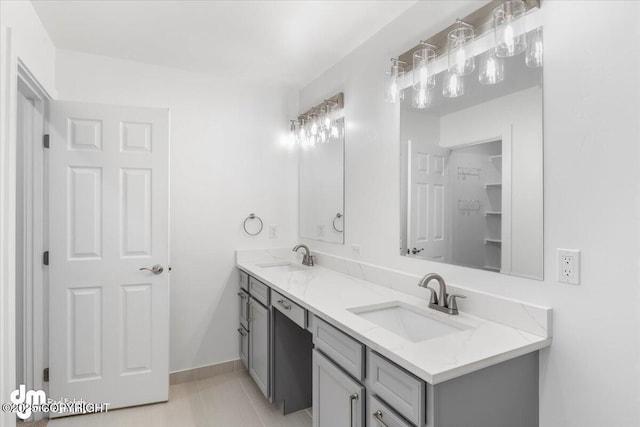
(535, 319)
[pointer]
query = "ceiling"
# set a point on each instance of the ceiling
(283, 42)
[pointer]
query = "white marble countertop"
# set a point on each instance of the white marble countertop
(329, 295)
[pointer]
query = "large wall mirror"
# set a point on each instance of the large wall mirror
(472, 172)
(321, 182)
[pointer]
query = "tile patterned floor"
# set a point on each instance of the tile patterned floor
(229, 400)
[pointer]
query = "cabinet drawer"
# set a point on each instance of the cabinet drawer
(339, 347)
(380, 415)
(289, 308)
(244, 281)
(259, 290)
(402, 391)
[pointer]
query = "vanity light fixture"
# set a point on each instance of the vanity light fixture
(533, 56)
(459, 40)
(504, 18)
(491, 68)
(509, 28)
(424, 79)
(394, 92)
(319, 124)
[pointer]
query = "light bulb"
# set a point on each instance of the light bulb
(393, 91)
(507, 39)
(534, 48)
(453, 86)
(422, 97)
(461, 59)
(491, 68)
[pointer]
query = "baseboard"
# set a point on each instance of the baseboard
(208, 371)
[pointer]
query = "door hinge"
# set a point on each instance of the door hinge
(45, 375)
(45, 140)
(45, 258)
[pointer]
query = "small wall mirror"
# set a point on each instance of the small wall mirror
(321, 188)
(472, 173)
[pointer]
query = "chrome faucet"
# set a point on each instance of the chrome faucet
(307, 259)
(440, 301)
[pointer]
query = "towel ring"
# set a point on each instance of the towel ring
(244, 224)
(338, 216)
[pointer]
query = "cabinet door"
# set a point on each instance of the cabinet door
(244, 309)
(259, 345)
(244, 346)
(338, 400)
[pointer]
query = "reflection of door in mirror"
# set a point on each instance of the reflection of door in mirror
(427, 196)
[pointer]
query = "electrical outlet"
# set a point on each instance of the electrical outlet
(569, 266)
(320, 230)
(273, 231)
(355, 249)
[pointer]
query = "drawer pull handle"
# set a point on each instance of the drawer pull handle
(352, 399)
(378, 416)
(286, 306)
(243, 333)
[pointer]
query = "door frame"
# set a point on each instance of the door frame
(12, 67)
(35, 239)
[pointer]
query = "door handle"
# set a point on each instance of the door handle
(285, 306)
(352, 399)
(156, 269)
(378, 416)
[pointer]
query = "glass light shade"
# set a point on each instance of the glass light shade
(491, 68)
(394, 91)
(535, 48)
(509, 28)
(313, 127)
(326, 117)
(422, 97)
(461, 59)
(453, 85)
(423, 76)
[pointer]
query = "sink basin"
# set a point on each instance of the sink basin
(406, 321)
(284, 266)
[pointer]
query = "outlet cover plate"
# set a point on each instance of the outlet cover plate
(568, 266)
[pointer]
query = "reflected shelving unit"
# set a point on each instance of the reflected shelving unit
(493, 214)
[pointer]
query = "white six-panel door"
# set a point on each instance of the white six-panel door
(427, 230)
(109, 213)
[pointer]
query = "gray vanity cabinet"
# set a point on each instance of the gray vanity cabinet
(259, 318)
(338, 400)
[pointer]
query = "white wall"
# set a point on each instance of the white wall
(590, 377)
(22, 38)
(226, 162)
